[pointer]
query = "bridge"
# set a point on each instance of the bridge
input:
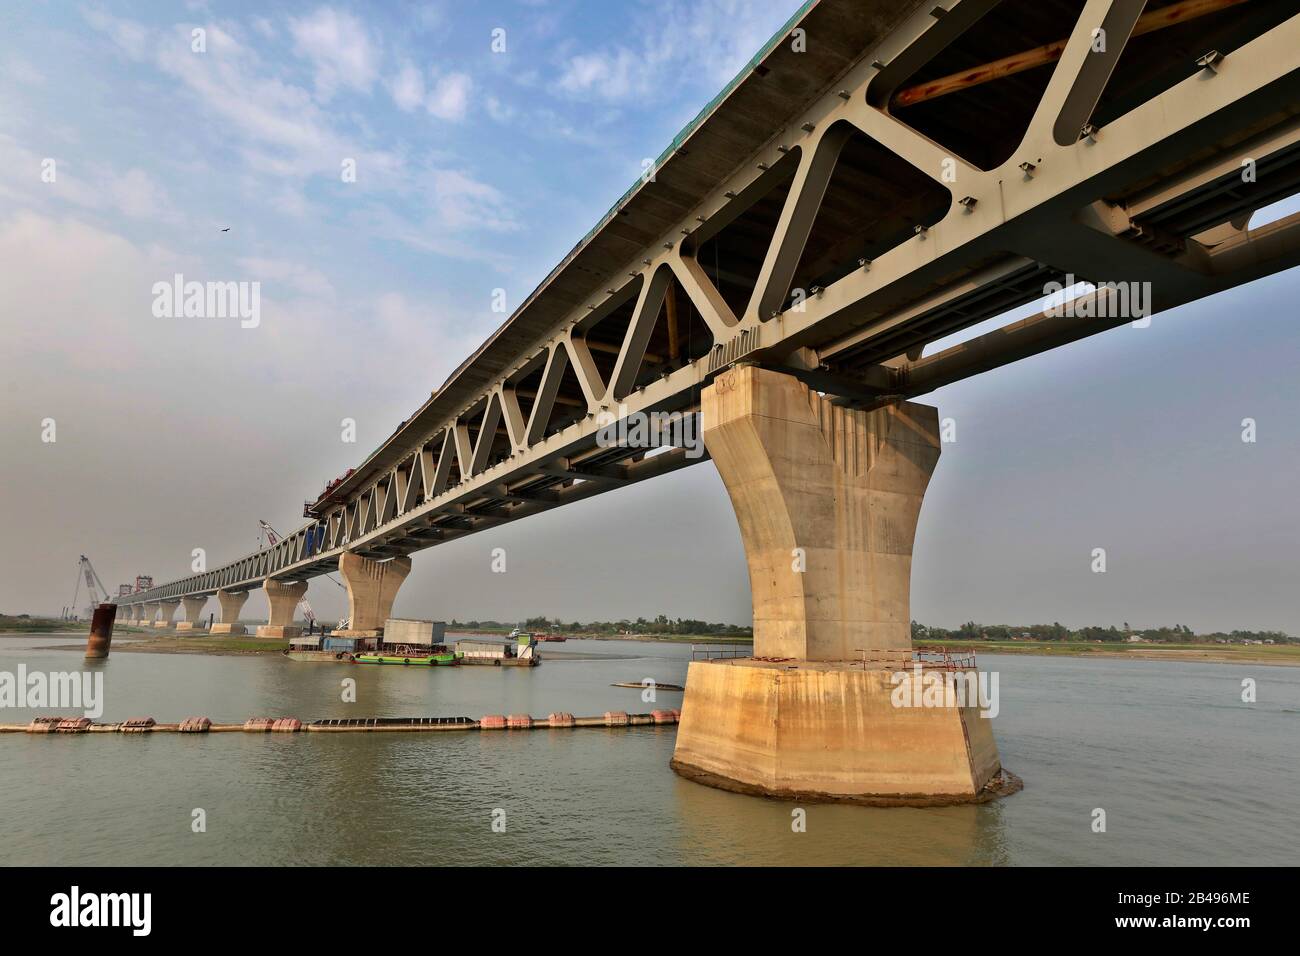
(881, 175)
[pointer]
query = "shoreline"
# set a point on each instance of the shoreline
(145, 642)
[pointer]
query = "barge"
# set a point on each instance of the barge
(308, 647)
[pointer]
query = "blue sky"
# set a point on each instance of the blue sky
(476, 171)
(476, 168)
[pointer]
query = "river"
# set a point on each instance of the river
(1186, 772)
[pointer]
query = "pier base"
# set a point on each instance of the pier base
(168, 609)
(830, 731)
(229, 604)
(827, 499)
(279, 632)
(193, 620)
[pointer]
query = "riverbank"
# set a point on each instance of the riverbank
(1280, 654)
(144, 640)
(185, 644)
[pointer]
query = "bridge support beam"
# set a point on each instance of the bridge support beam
(193, 620)
(283, 597)
(372, 587)
(168, 609)
(230, 603)
(828, 500)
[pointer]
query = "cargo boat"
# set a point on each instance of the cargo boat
(436, 655)
(522, 653)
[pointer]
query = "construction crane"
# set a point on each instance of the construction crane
(94, 588)
(268, 535)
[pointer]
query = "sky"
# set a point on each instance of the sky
(486, 140)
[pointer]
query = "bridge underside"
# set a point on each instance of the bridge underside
(884, 176)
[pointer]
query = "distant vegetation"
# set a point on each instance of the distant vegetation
(662, 624)
(27, 624)
(1178, 634)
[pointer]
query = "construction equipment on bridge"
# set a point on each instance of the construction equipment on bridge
(143, 582)
(311, 509)
(94, 588)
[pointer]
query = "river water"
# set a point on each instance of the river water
(1185, 771)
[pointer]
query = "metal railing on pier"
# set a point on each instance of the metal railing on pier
(712, 652)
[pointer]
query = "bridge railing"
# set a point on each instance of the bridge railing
(711, 652)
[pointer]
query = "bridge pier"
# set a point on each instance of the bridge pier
(168, 609)
(283, 596)
(230, 603)
(827, 499)
(193, 620)
(372, 588)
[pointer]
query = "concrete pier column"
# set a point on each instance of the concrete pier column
(149, 614)
(168, 611)
(827, 499)
(372, 587)
(230, 604)
(193, 620)
(283, 596)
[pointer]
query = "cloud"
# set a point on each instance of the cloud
(278, 127)
(407, 88)
(499, 111)
(87, 185)
(705, 41)
(461, 201)
(611, 75)
(302, 279)
(339, 48)
(138, 196)
(449, 97)
(129, 37)
(22, 72)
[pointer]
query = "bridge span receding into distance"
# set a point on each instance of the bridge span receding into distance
(880, 176)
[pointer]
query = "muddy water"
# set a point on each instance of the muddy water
(1186, 772)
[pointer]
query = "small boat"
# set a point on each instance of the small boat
(553, 638)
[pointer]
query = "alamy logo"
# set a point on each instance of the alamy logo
(179, 299)
(650, 430)
(66, 690)
(933, 688)
(102, 909)
(1119, 300)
